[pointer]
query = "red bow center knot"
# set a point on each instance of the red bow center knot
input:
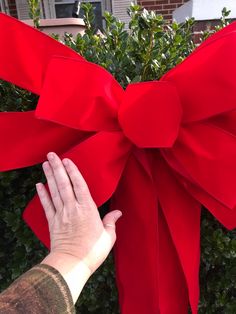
(150, 114)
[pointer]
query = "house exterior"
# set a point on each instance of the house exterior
(52, 9)
(62, 8)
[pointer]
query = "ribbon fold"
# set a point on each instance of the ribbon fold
(158, 150)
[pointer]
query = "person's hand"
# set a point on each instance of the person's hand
(76, 231)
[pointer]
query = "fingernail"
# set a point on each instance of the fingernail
(50, 156)
(65, 162)
(45, 165)
(118, 214)
(39, 186)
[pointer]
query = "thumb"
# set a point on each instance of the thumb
(109, 223)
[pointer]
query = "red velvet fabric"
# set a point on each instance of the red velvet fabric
(158, 150)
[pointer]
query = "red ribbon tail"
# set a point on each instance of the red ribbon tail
(173, 291)
(182, 215)
(137, 242)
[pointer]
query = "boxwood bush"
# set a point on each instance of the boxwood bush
(144, 51)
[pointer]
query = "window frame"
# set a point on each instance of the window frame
(50, 9)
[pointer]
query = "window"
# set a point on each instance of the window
(64, 8)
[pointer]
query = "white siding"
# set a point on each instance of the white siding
(119, 9)
(22, 9)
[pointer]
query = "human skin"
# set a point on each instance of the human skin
(80, 240)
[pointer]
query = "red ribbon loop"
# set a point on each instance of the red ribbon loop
(150, 114)
(91, 94)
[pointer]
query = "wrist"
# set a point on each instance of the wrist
(75, 272)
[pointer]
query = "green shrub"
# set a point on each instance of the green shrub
(145, 52)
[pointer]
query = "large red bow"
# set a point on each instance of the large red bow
(158, 149)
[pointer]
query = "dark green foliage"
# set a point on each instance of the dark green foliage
(13, 98)
(19, 249)
(145, 52)
(218, 268)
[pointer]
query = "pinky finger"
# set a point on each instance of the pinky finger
(46, 202)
